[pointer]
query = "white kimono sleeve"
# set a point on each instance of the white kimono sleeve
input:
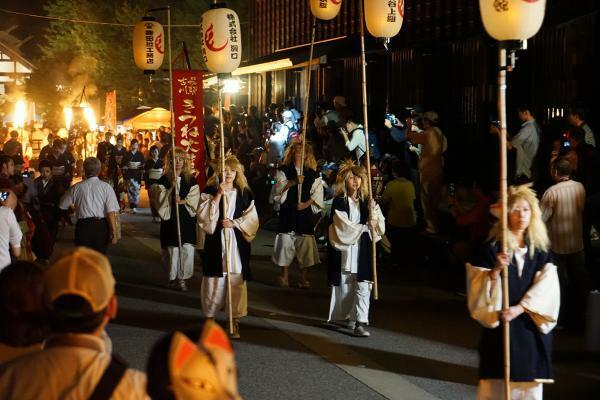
(316, 195)
(542, 300)
(344, 233)
(484, 299)
(192, 200)
(279, 195)
(207, 214)
(248, 222)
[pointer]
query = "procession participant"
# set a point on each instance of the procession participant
(115, 170)
(534, 296)
(105, 148)
(96, 207)
(47, 149)
(134, 160)
(229, 234)
(62, 166)
(153, 170)
(296, 233)
(350, 270)
(189, 196)
(47, 195)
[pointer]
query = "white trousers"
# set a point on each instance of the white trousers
(214, 295)
(170, 258)
(493, 389)
(289, 246)
(350, 300)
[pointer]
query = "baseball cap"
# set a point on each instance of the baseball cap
(83, 272)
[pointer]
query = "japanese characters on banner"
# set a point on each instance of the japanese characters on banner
(148, 49)
(110, 111)
(188, 111)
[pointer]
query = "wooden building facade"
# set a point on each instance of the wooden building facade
(442, 60)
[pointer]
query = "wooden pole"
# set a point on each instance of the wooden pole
(504, 208)
(224, 214)
(305, 120)
(175, 185)
(368, 153)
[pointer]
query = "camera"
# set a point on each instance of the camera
(3, 196)
(495, 123)
(392, 118)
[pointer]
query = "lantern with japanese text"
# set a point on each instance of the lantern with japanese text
(384, 17)
(512, 19)
(221, 39)
(148, 45)
(325, 9)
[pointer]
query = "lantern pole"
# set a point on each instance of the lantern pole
(368, 153)
(305, 120)
(224, 205)
(504, 208)
(175, 183)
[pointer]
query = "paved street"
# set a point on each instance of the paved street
(422, 344)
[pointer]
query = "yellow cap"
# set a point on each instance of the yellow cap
(83, 272)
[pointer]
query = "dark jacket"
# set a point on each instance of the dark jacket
(290, 219)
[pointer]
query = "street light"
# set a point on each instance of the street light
(231, 86)
(68, 117)
(505, 21)
(20, 116)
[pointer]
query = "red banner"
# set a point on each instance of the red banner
(110, 111)
(188, 107)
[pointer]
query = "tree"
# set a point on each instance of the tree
(100, 58)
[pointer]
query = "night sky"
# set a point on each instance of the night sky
(26, 26)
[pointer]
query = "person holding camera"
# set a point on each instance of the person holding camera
(353, 133)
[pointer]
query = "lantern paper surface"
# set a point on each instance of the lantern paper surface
(221, 40)
(512, 19)
(148, 45)
(384, 17)
(325, 9)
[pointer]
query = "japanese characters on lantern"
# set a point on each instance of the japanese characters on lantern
(512, 19)
(384, 17)
(148, 45)
(325, 9)
(221, 40)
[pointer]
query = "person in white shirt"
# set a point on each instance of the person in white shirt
(96, 206)
(10, 232)
(562, 210)
(354, 134)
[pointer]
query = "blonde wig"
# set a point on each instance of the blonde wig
(348, 169)
(309, 157)
(536, 234)
(187, 164)
(232, 162)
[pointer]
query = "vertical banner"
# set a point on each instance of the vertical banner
(188, 108)
(110, 111)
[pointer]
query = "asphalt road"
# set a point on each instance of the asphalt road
(422, 344)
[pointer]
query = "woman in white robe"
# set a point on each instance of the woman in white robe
(228, 235)
(295, 238)
(534, 297)
(350, 272)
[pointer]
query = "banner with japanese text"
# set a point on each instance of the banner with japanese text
(110, 111)
(188, 107)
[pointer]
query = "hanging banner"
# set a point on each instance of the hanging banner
(188, 108)
(110, 111)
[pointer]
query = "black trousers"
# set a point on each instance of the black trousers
(92, 233)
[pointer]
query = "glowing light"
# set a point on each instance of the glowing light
(90, 117)
(68, 117)
(20, 114)
(231, 86)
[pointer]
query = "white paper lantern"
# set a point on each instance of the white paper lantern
(148, 45)
(384, 17)
(221, 40)
(512, 19)
(325, 9)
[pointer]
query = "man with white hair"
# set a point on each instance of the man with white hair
(431, 167)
